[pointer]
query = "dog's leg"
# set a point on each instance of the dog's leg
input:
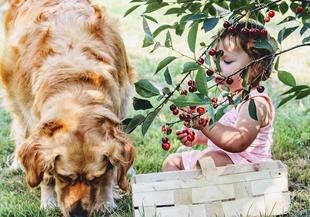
(48, 196)
(19, 134)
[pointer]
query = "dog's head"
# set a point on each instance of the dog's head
(81, 153)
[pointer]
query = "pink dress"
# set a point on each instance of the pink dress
(259, 150)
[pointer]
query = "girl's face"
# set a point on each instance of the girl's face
(234, 59)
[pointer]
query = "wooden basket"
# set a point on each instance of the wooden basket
(256, 189)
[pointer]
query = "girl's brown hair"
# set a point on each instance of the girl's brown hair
(260, 70)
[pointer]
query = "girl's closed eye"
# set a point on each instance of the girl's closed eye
(227, 62)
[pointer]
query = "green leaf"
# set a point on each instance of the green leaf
(285, 100)
(283, 7)
(252, 110)
(189, 66)
(146, 89)
(276, 66)
(201, 82)
(168, 41)
(295, 89)
(305, 40)
(168, 76)
(192, 35)
(148, 121)
(287, 19)
(287, 78)
(148, 38)
(131, 10)
(155, 6)
(210, 23)
(164, 63)
(217, 63)
(134, 123)
(150, 18)
(157, 45)
(262, 43)
(160, 29)
(303, 94)
(173, 11)
(188, 100)
(285, 32)
(141, 104)
(196, 17)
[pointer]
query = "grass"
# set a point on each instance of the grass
(291, 137)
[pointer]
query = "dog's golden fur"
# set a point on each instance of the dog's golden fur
(67, 82)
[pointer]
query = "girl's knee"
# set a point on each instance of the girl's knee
(172, 162)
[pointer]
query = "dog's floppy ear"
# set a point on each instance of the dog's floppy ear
(30, 156)
(121, 154)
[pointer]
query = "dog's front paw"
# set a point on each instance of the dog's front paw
(48, 203)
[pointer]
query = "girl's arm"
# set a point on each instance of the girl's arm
(239, 137)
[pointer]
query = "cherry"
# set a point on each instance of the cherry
(173, 107)
(184, 92)
(245, 31)
(202, 121)
(169, 131)
(164, 139)
(186, 131)
(166, 146)
(264, 32)
(200, 61)
(214, 100)
(212, 52)
(271, 13)
(191, 83)
(229, 80)
(201, 110)
(192, 107)
(299, 9)
(192, 89)
(252, 32)
(190, 137)
(257, 31)
(187, 117)
(226, 24)
(175, 111)
(219, 53)
(210, 72)
(232, 29)
(260, 89)
(267, 19)
(182, 117)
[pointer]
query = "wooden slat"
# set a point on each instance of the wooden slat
(221, 171)
(264, 186)
(214, 209)
(200, 181)
(213, 193)
(277, 203)
(242, 189)
(153, 198)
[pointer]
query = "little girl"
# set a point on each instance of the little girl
(236, 138)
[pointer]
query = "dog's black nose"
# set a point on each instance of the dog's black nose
(78, 211)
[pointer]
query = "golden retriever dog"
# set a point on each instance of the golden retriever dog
(67, 83)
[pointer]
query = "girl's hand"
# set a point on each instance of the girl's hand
(187, 138)
(199, 122)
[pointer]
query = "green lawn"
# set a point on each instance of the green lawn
(291, 139)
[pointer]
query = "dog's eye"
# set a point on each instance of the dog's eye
(63, 178)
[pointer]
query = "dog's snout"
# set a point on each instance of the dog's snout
(78, 211)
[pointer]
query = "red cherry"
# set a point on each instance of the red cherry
(192, 89)
(267, 19)
(271, 13)
(184, 92)
(163, 128)
(200, 61)
(190, 137)
(245, 31)
(212, 52)
(252, 32)
(187, 117)
(164, 139)
(260, 89)
(210, 72)
(201, 110)
(257, 31)
(202, 122)
(264, 32)
(173, 107)
(299, 9)
(182, 117)
(229, 80)
(175, 111)
(169, 131)
(226, 24)
(191, 83)
(214, 100)
(166, 146)
(232, 29)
